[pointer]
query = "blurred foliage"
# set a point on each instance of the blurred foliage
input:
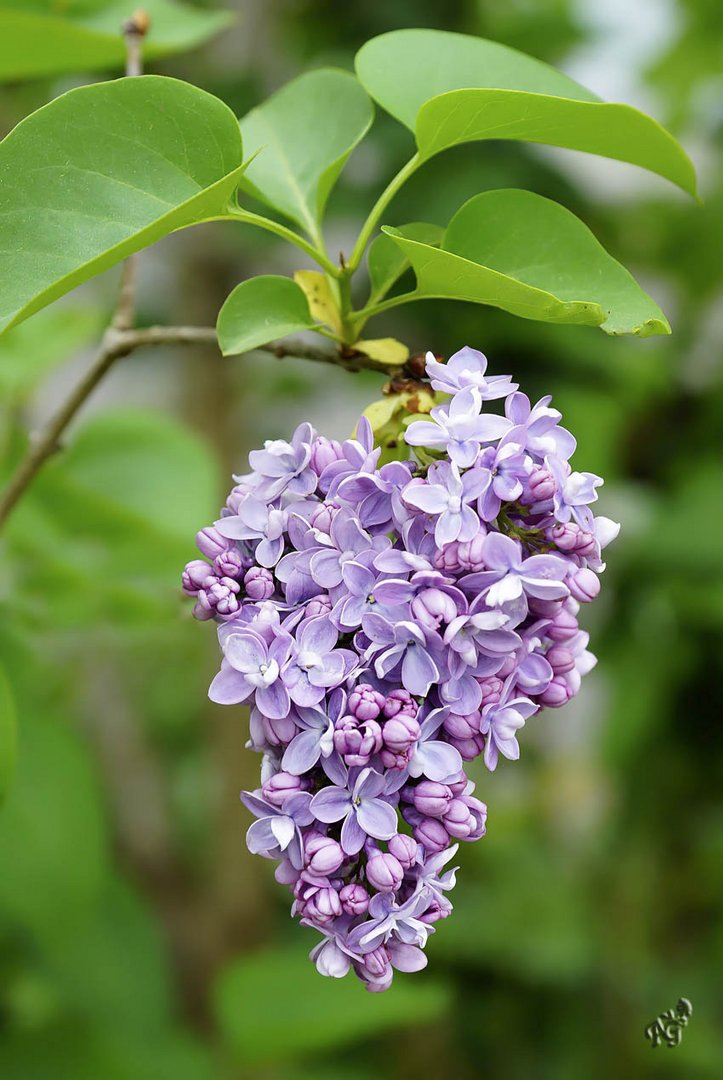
(137, 942)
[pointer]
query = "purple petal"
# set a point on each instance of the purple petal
(260, 837)
(352, 835)
(501, 552)
(377, 818)
(302, 753)
(406, 957)
(245, 652)
(273, 701)
(229, 687)
(419, 671)
(331, 804)
(438, 760)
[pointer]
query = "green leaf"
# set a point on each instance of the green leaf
(451, 88)
(8, 726)
(104, 171)
(387, 262)
(56, 38)
(304, 134)
(261, 310)
(531, 257)
(263, 1023)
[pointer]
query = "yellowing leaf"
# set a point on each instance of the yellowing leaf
(388, 350)
(322, 303)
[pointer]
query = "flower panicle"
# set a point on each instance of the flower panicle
(388, 623)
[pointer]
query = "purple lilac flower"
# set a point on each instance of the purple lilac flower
(386, 624)
(362, 810)
(446, 496)
(467, 368)
(458, 428)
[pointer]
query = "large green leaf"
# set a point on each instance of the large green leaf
(263, 1024)
(450, 88)
(530, 256)
(305, 132)
(85, 35)
(101, 172)
(261, 310)
(387, 262)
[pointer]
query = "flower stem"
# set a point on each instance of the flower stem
(378, 209)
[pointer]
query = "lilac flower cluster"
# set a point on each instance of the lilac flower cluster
(386, 624)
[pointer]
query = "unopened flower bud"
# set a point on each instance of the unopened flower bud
(278, 787)
(563, 627)
(555, 694)
(540, 485)
(478, 810)
(400, 701)
(491, 690)
(211, 544)
(230, 563)
(354, 899)
(560, 659)
(356, 740)
(196, 575)
(318, 605)
(469, 552)
(459, 820)
(385, 872)
(404, 850)
(324, 452)
(259, 583)
(584, 584)
(433, 836)
(323, 854)
(431, 798)
(400, 733)
(377, 963)
(365, 703)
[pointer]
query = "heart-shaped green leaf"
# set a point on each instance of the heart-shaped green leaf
(261, 310)
(303, 136)
(101, 172)
(450, 88)
(530, 256)
(53, 38)
(387, 262)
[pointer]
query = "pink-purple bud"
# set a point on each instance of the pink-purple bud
(385, 872)
(211, 544)
(259, 583)
(318, 605)
(439, 908)
(323, 906)
(220, 597)
(324, 452)
(404, 850)
(540, 485)
(431, 798)
(478, 810)
(279, 732)
(278, 787)
(365, 703)
(400, 733)
(323, 854)
(378, 964)
(491, 688)
(431, 833)
(560, 659)
(556, 694)
(356, 740)
(432, 607)
(459, 820)
(400, 701)
(354, 899)
(196, 575)
(230, 563)
(563, 627)
(584, 584)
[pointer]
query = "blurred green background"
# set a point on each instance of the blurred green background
(138, 939)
